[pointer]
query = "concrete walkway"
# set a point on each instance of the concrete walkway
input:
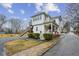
(68, 46)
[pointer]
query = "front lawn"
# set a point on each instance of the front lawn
(8, 35)
(39, 49)
(19, 45)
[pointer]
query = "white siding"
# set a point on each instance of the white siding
(57, 21)
(47, 19)
(38, 21)
(40, 28)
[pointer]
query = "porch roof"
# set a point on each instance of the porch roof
(46, 23)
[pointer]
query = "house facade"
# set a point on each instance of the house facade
(66, 27)
(43, 23)
(76, 26)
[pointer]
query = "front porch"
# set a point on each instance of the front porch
(50, 28)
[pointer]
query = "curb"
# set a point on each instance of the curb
(48, 48)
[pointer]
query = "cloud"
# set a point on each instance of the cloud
(51, 7)
(7, 5)
(10, 11)
(46, 7)
(39, 6)
(22, 11)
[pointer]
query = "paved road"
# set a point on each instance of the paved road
(2, 41)
(68, 46)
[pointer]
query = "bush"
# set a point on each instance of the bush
(36, 35)
(47, 36)
(30, 35)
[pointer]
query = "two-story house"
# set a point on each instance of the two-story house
(43, 23)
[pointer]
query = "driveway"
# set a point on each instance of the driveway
(68, 46)
(2, 41)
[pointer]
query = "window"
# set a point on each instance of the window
(35, 18)
(40, 17)
(36, 28)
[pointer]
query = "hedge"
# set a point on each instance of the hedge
(30, 35)
(34, 35)
(47, 36)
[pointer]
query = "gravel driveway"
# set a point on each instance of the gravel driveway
(68, 46)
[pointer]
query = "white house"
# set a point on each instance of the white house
(43, 23)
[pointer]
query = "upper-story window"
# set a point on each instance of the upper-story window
(37, 18)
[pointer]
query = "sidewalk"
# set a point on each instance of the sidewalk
(37, 50)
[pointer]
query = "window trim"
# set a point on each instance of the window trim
(36, 28)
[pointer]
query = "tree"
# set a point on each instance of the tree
(15, 25)
(66, 27)
(2, 21)
(76, 28)
(7, 27)
(72, 14)
(72, 11)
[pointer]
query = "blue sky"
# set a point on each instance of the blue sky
(26, 10)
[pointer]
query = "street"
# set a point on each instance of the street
(67, 46)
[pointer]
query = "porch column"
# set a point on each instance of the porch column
(51, 27)
(56, 28)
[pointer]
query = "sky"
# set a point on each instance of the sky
(24, 11)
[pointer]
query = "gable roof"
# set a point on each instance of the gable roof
(41, 14)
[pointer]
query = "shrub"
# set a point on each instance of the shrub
(30, 35)
(36, 35)
(47, 36)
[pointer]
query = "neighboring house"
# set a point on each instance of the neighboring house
(76, 25)
(66, 27)
(43, 23)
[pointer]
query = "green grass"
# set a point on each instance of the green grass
(19, 45)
